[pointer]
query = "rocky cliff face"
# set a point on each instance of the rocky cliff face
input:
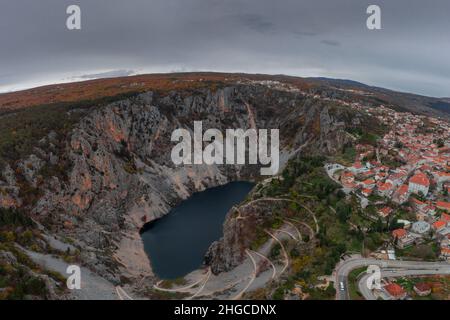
(121, 174)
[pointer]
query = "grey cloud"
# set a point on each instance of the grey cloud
(332, 43)
(304, 33)
(255, 22)
(296, 37)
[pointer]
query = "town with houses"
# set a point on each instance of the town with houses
(407, 171)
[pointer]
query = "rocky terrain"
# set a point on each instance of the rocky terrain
(100, 180)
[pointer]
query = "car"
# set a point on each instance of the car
(342, 286)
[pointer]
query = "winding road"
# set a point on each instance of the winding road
(285, 254)
(286, 200)
(368, 294)
(404, 267)
(252, 277)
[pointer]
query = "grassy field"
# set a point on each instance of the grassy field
(353, 283)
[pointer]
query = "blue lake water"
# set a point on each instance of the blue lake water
(177, 243)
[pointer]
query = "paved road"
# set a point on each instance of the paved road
(368, 294)
(331, 168)
(346, 267)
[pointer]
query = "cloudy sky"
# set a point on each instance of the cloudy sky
(296, 37)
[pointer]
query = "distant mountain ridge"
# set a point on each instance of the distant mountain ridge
(91, 162)
(408, 101)
(110, 87)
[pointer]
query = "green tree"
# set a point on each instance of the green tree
(343, 211)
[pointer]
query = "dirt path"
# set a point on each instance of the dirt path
(274, 269)
(286, 256)
(252, 277)
(312, 234)
(287, 200)
(122, 294)
(203, 285)
(93, 287)
(182, 289)
(298, 231)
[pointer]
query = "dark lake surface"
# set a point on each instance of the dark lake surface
(177, 243)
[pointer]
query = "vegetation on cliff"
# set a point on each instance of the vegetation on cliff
(343, 227)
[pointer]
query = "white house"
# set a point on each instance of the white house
(419, 183)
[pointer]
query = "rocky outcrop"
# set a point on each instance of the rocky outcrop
(121, 174)
(29, 168)
(9, 191)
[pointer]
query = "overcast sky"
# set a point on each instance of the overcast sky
(296, 37)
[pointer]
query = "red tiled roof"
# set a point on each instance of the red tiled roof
(445, 217)
(385, 186)
(397, 175)
(357, 165)
(386, 211)
(439, 224)
(443, 205)
(422, 286)
(420, 179)
(348, 174)
(395, 289)
(399, 233)
(368, 182)
(444, 174)
(402, 190)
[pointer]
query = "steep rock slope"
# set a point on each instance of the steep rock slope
(121, 175)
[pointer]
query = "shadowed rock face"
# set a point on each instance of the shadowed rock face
(122, 174)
